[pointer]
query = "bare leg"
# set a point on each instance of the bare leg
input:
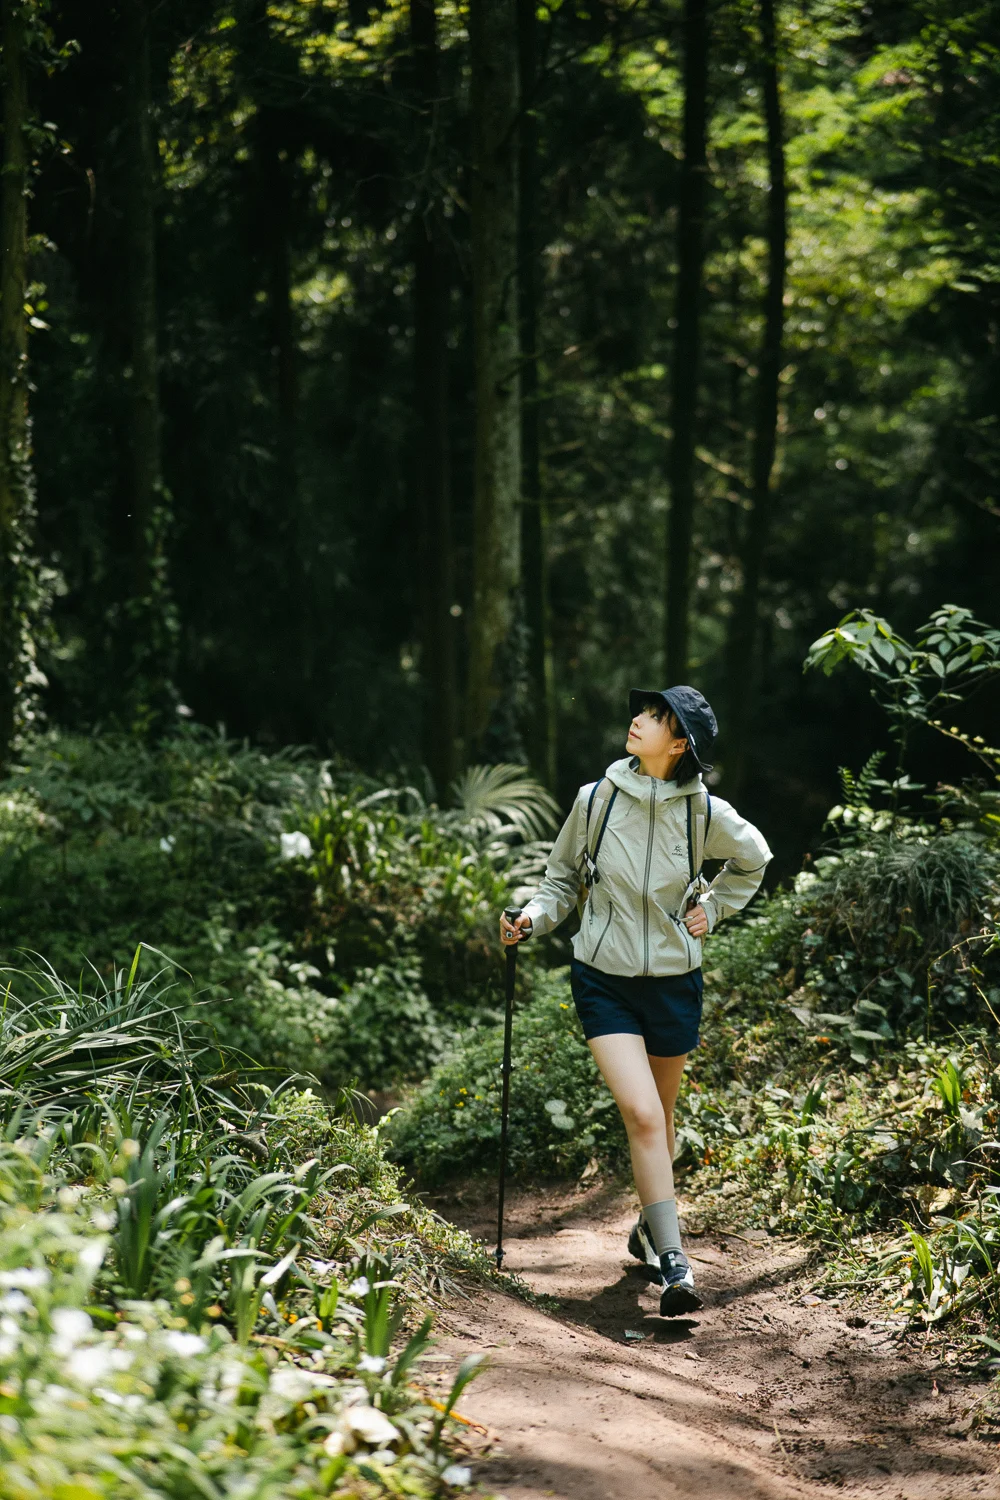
(667, 1073)
(626, 1070)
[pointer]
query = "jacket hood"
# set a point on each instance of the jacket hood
(624, 774)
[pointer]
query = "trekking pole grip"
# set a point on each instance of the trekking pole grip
(511, 914)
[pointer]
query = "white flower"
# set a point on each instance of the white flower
(295, 845)
(229, 1380)
(322, 1267)
(101, 1219)
(457, 1474)
(184, 1343)
(90, 1364)
(360, 1287)
(370, 1425)
(14, 1302)
(335, 1444)
(383, 1456)
(167, 844)
(374, 1363)
(131, 1403)
(26, 1277)
(70, 1326)
(92, 1253)
(295, 1384)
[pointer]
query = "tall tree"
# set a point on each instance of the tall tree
(494, 644)
(15, 454)
(540, 716)
(152, 627)
(432, 478)
(691, 194)
(744, 624)
(272, 222)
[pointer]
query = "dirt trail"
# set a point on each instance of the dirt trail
(765, 1395)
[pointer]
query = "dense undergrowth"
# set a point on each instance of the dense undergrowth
(332, 924)
(207, 1286)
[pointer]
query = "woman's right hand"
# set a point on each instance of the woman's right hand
(514, 932)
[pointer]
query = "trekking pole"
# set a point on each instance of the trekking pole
(511, 913)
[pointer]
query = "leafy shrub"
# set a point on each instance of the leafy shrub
(334, 925)
(562, 1116)
(146, 1405)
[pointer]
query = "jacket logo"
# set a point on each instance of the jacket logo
(677, 849)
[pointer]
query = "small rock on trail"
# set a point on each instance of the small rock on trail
(770, 1393)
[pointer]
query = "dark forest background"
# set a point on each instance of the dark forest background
(410, 384)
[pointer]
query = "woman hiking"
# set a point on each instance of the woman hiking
(635, 840)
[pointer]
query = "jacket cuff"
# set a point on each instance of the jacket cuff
(536, 917)
(710, 910)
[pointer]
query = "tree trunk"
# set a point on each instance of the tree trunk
(745, 619)
(432, 479)
(687, 339)
(275, 227)
(541, 715)
(15, 472)
(151, 624)
(494, 645)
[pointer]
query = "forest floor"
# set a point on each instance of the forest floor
(770, 1393)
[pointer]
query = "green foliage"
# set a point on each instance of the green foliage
(147, 1404)
(562, 1116)
(159, 1214)
(334, 926)
(953, 654)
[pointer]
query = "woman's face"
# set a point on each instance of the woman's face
(651, 737)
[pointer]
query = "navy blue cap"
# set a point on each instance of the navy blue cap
(693, 713)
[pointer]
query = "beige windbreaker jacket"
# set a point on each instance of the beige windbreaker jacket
(632, 921)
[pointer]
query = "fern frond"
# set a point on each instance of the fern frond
(490, 798)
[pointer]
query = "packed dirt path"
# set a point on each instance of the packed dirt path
(768, 1394)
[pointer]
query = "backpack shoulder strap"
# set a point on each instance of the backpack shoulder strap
(590, 803)
(699, 821)
(590, 855)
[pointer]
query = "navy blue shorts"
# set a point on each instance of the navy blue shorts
(665, 1010)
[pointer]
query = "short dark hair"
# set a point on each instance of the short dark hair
(687, 767)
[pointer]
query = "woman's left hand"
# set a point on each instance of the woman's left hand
(696, 922)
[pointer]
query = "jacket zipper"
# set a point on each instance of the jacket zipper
(645, 881)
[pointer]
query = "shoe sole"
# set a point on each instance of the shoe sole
(678, 1300)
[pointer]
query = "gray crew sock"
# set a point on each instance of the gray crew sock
(661, 1221)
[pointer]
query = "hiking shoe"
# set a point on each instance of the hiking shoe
(640, 1245)
(678, 1296)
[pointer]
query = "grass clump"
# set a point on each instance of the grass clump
(207, 1285)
